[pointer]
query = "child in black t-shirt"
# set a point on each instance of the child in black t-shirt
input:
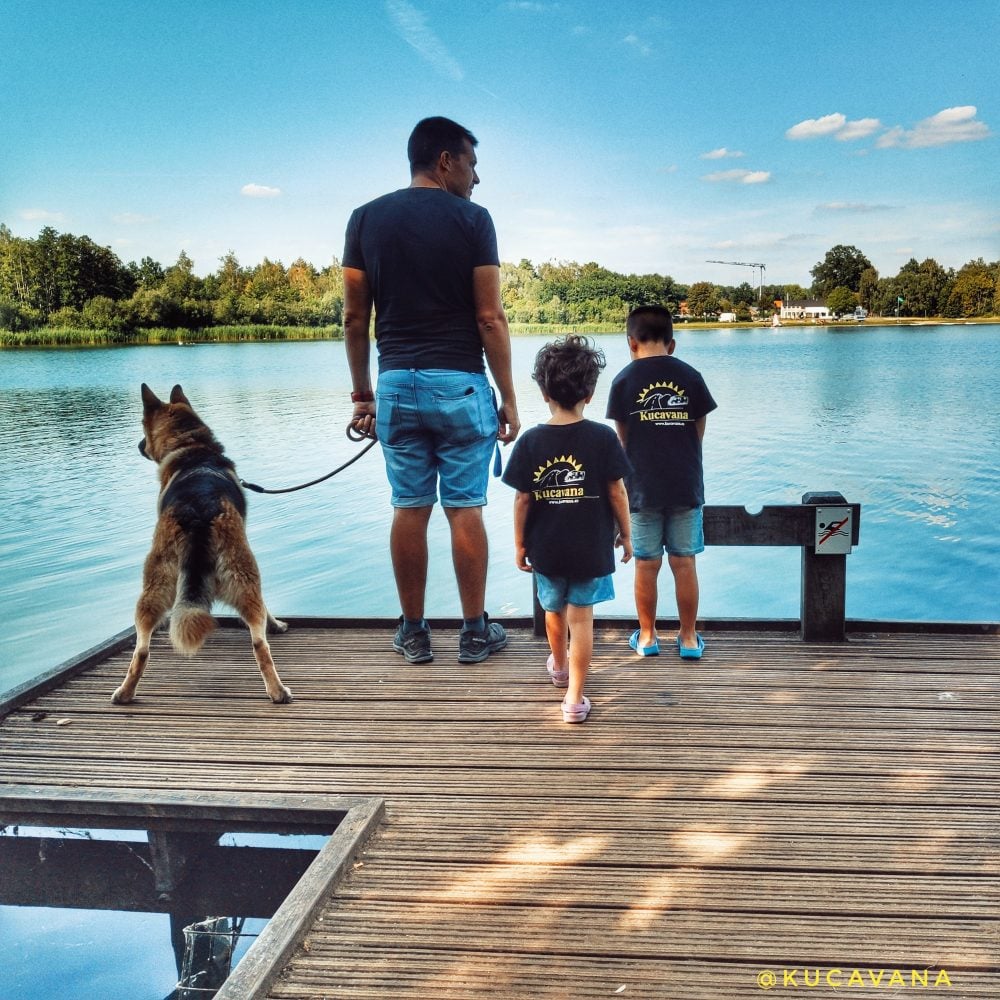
(659, 405)
(570, 504)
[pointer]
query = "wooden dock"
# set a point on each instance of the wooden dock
(813, 812)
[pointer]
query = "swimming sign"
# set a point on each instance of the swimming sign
(834, 529)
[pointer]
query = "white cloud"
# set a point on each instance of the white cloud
(835, 125)
(412, 27)
(814, 128)
(259, 191)
(722, 154)
(951, 125)
(739, 177)
(41, 215)
(860, 129)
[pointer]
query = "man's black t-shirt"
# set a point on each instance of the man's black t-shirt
(418, 248)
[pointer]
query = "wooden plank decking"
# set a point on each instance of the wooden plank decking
(781, 807)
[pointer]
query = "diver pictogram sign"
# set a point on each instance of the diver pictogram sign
(834, 529)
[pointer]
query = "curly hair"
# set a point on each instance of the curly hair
(566, 370)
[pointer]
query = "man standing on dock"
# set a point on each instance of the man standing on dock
(425, 258)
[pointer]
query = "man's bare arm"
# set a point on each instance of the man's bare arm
(357, 320)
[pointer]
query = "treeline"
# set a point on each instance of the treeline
(845, 278)
(64, 282)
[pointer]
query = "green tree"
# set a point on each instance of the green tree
(867, 288)
(841, 300)
(702, 299)
(102, 313)
(269, 280)
(974, 290)
(179, 280)
(147, 274)
(793, 293)
(842, 265)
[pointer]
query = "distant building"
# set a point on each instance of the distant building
(805, 309)
(727, 317)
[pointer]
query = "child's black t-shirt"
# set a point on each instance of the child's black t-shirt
(567, 468)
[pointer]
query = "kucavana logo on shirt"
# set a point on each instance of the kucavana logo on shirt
(559, 480)
(662, 402)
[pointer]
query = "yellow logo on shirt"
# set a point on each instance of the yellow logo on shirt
(559, 479)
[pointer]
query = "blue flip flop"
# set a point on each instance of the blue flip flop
(653, 650)
(691, 654)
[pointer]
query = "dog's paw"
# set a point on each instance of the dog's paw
(120, 697)
(284, 696)
(275, 625)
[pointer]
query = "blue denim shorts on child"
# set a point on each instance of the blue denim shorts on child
(438, 430)
(555, 592)
(678, 530)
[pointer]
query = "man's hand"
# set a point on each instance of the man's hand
(624, 542)
(510, 423)
(363, 419)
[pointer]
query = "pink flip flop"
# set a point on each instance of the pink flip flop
(576, 713)
(560, 678)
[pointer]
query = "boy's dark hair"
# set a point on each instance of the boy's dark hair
(650, 323)
(431, 137)
(566, 369)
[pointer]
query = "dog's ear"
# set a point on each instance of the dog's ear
(149, 398)
(177, 396)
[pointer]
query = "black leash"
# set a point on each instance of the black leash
(353, 434)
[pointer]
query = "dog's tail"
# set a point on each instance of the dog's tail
(190, 626)
(191, 620)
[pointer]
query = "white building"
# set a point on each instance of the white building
(805, 309)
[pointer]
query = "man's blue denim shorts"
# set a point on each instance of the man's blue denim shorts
(555, 592)
(676, 530)
(438, 430)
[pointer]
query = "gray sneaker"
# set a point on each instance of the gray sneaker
(474, 647)
(414, 646)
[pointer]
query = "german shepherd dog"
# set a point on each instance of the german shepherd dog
(200, 550)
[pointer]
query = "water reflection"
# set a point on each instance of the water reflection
(121, 914)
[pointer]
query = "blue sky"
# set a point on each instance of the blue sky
(646, 136)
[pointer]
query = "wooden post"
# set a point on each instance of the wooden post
(824, 584)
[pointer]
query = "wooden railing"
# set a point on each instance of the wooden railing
(818, 527)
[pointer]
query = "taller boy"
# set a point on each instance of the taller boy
(659, 405)
(426, 258)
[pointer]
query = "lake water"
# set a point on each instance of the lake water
(904, 420)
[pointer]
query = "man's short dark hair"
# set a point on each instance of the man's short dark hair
(566, 369)
(433, 136)
(650, 323)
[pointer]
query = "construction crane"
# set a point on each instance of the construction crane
(740, 263)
